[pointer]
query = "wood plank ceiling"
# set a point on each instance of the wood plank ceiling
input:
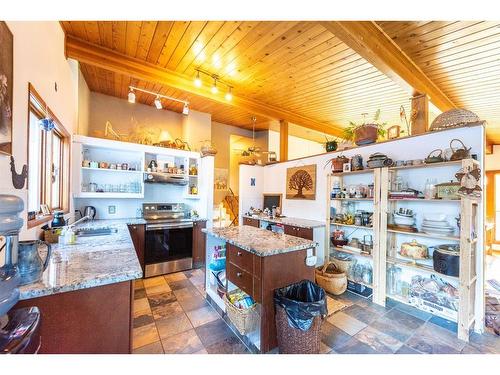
(297, 66)
(462, 58)
(300, 66)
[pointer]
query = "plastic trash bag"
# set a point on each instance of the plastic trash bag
(302, 302)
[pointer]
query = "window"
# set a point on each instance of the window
(48, 160)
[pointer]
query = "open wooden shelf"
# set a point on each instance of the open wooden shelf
(431, 165)
(422, 200)
(352, 252)
(418, 266)
(423, 234)
(111, 170)
(351, 226)
(353, 199)
(361, 171)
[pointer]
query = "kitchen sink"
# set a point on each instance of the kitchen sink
(88, 232)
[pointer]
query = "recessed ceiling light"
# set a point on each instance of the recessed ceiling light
(131, 96)
(158, 103)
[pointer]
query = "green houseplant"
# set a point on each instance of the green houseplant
(365, 133)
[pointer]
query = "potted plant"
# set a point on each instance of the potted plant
(364, 134)
(331, 144)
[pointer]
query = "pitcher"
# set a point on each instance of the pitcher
(30, 263)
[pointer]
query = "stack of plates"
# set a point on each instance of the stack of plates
(439, 227)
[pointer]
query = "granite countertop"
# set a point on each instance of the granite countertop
(260, 242)
(293, 221)
(91, 262)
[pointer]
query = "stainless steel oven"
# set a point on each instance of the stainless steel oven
(169, 239)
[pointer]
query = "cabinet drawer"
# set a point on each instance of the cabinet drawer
(251, 222)
(240, 278)
(306, 233)
(241, 258)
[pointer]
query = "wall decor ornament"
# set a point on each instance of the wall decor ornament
(6, 86)
(301, 182)
(18, 179)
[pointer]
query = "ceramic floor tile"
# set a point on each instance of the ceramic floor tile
(154, 281)
(487, 343)
(378, 341)
(354, 346)
(174, 277)
(139, 293)
(186, 293)
(346, 323)
(324, 349)
(361, 313)
(138, 284)
(181, 284)
(229, 345)
(409, 321)
(141, 305)
(406, 350)
(164, 288)
(166, 310)
(213, 332)
(432, 339)
(422, 315)
(197, 280)
(334, 305)
(173, 325)
(182, 343)
(193, 303)
(154, 348)
(161, 299)
(202, 316)
(445, 323)
(332, 336)
(143, 319)
(397, 324)
(144, 335)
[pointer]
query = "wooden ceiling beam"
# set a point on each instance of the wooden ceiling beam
(101, 57)
(371, 42)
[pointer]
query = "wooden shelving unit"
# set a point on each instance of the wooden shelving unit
(386, 240)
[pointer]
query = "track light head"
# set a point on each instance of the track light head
(197, 80)
(214, 88)
(229, 94)
(185, 109)
(158, 103)
(131, 96)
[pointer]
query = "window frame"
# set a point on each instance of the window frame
(39, 108)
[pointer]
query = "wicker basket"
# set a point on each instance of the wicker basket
(245, 320)
(454, 118)
(294, 341)
(342, 264)
(331, 278)
(52, 235)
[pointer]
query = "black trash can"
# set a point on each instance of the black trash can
(300, 310)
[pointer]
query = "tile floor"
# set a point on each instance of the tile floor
(171, 315)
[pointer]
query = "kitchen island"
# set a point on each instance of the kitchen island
(258, 261)
(86, 293)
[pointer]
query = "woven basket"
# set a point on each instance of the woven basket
(454, 118)
(52, 235)
(330, 278)
(245, 320)
(294, 341)
(342, 264)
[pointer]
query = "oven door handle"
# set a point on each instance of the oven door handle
(150, 227)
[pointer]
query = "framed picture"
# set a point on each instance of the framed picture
(6, 86)
(346, 167)
(301, 182)
(393, 132)
(45, 209)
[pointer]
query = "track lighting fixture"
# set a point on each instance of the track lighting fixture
(214, 88)
(158, 102)
(131, 95)
(197, 80)
(229, 95)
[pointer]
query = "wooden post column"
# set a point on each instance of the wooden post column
(283, 140)
(420, 106)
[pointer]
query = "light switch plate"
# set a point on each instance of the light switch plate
(111, 210)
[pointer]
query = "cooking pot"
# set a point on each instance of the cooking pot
(446, 259)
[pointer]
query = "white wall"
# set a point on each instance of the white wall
(492, 161)
(250, 196)
(297, 147)
(83, 105)
(39, 59)
(196, 128)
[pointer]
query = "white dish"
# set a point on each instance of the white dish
(435, 217)
(439, 229)
(438, 224)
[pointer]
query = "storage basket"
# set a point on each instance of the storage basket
(331, 278)
(454, 118)
(52, 235)
(245, 320)
(295, 341)
(342, 264)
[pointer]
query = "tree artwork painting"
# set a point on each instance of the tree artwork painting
(301, 182)
(6, 77)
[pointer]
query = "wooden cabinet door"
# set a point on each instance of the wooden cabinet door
(291, 230)
(199, 243)
(306, 233)
(137, 233)
(251, 222)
